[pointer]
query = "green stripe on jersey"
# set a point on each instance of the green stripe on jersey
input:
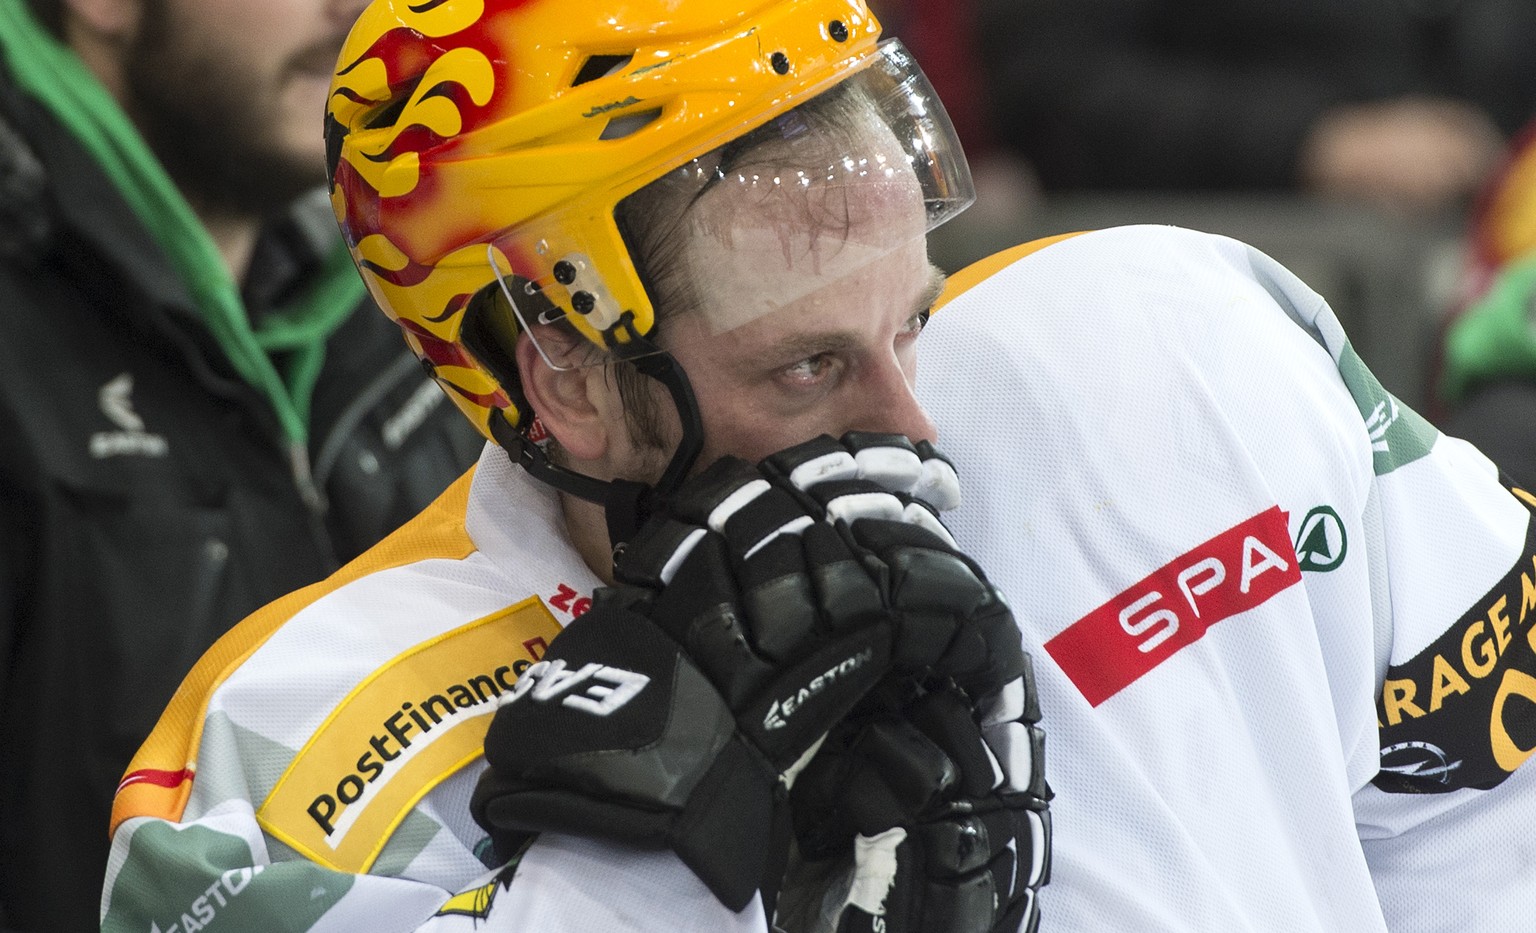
(199, 877)
(1399, 435)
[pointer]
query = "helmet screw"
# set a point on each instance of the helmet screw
(837, 30)
(780, 63)
(565, 273)
(583, 302)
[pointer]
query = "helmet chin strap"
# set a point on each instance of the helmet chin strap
(626, 503)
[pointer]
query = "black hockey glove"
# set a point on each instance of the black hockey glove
(749, 619)
(941, 807)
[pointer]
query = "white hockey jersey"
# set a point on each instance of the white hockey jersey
(1263, 598)
(1281, 626)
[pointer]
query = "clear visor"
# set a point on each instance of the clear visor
(786, 216)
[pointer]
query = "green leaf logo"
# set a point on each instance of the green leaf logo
(1321, 544)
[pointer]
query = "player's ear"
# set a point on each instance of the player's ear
(577, 406)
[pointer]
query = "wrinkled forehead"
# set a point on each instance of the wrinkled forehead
(797, 216)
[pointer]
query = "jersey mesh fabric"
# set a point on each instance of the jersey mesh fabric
(1113, 403)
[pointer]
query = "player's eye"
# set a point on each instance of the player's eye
(914, 325)
(809, 369)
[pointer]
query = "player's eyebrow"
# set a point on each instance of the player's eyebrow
(937, 280)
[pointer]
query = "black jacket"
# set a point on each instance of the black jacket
(147, 498)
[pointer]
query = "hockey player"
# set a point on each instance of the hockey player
(628, 240)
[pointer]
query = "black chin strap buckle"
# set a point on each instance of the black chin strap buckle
(626, 506)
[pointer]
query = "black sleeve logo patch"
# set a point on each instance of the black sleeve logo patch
(1462, 713)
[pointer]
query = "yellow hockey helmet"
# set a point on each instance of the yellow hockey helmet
(481, 141)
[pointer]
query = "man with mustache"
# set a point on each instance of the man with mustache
(194, 419)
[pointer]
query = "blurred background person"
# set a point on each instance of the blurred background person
(1401, 103)
(195, 420)
(1486, 373)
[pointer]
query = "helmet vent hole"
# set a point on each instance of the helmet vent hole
(600, 66)
(630, 123)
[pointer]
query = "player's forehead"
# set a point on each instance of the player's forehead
(857, 312)
(804, 251)
(816, 220)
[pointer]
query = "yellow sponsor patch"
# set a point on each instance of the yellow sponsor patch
(416, 721)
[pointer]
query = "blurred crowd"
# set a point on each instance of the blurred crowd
(1410, 115)
(1408, 102)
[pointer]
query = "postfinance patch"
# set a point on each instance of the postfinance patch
(415, 722)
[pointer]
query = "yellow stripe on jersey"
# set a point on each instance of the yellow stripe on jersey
(159, 779)
(410, 725)
(983, 269)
